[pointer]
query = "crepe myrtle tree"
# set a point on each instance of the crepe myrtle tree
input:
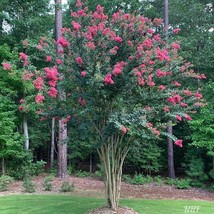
(122, 83)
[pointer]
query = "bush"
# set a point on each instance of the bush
(29, 185)
(127, 178)
(196, 173)
(170, 181)
(4, 181)
(158, 180)
(47, 185)
(82, 174)
(182, 183)
(67, 187)
(140, 179)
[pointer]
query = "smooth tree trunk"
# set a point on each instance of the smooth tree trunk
(62, 145)
(52, 141)
(112, 157)
(26, 134)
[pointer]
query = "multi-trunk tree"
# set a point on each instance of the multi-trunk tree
(121, 81)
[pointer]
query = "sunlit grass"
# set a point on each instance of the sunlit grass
(64, 204)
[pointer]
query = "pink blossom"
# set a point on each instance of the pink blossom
(161, 87)
(160, 73)
(26, 76)
(198, 95)
(178, 117)
(39, 47)
(76, 25)
(58, 61)
(52, 83)
(166, 108)
(83, 73)
(157, 37)
(25, 43)
(23, 56)
(21, 101)
(39, 98)
(150, 31)
(183, 105)
(126, 16)
(74, 14)
(82, 101)
(176, 83)
(38, 83)
(141, 81)
(81, 13)
(48, 58)
(52, 73)
(91, 45)
(176, 31)
(188, 117)
(79, 60)
(171, 100)
(157, 22)
(118, 39)
(155, 131)
(79, 3)
(149, 125)
(188, 92)
(179, 143)
(106, 31)
(175, 46)
(63, 42)
(52, 92)
(203, 76)
(20, 108)
(108, 79)
(123, 129)
(6, 66)
(147, 43)
(162, 54)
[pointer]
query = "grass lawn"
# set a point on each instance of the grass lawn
(63, 204)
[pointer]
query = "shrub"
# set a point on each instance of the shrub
(140, 179)
(47, 185)
(182, 183)
(158, 180)
(82, 174)
(67, 187)
(170, 181)
(29, 185)
(4, 181)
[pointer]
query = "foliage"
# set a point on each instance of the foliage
(67, 187)
(82, 174)
(29, 185)
(4, 181)
(138, 179)
(195, 171)
(121, 80)
(182, 183)
(47, 184)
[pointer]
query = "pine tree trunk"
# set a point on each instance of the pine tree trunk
(62, 145)
(171, 169)
(52, 141)
(26, 134)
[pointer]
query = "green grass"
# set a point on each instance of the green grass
(63, 204)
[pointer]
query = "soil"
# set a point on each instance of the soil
(94, 187)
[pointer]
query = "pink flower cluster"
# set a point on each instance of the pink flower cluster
(118, 68)
(6, 66)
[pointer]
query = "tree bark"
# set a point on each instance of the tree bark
(52, 141)
(112, 158)
(26, 134)
(171, 169)
(62, 145)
